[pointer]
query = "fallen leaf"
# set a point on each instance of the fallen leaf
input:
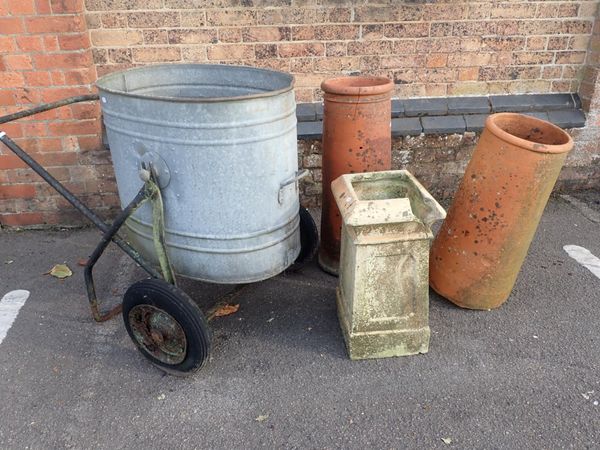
(262, 418)
(226, 310)
(161, 397)
(82, 262)
(447, 441)
(61, 271)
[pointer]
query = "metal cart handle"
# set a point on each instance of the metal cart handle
(109, 231)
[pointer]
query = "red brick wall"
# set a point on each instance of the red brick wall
(46, 56)
(52, 49)
(584, 160)
(430, 48)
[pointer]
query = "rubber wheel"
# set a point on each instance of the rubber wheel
(166, 326)
(309, 239)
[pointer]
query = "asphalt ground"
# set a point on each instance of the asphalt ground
(524, 376)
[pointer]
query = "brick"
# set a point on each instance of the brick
(120, 55)
(114, 20)
(155, 37)
(444, 12)
(11, 25)
(294, 50)
(7, 44)
(230, 35)
(230, 52)
(239, 17)
(11, 161)
(77, 41)
(116, 38)
(43, 6)
(371, 31)
(570, 57)
(266, 34)
(336, 64)
(50, 43)
(443, 124)
(469, 59)
(396, 13)
(503, 43)
(512, 10)
(18, 62)
(154, 19)
(370, 48)
(30, 43)
(62, 60)
(11, 79)
(66, 6)
(55, 24)
(436, 60)
(7, 98)
(192, 36)
(114, 5)
(17, 191)
(20, 7)
(20, 219)
(406, 30)
(192, 19)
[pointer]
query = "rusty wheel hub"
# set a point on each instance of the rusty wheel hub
(158, 333)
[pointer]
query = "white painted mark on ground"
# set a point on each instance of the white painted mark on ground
(584, 257)
(10, 305)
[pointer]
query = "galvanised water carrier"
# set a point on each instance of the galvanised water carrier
(222, 142)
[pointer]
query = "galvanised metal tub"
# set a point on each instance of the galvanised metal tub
(222, 142)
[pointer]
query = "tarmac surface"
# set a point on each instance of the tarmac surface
(524, 376)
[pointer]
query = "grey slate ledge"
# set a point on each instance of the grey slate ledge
(319, 109)
(475, 122)
(306, 112)
(531, 102)
(397, 108)
(572, 118)
(418, 107)
(412, 117)
(310, 130)
(468, 105)
(408, 126)
(538, 115)
(443, 124)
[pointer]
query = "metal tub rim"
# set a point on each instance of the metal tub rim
(102, 83)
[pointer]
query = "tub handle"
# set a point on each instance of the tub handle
(294, 180)
(150, 161)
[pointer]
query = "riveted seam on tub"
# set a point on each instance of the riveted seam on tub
(217, 237)
(224, 251)
(164, 139)
(217, 126)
